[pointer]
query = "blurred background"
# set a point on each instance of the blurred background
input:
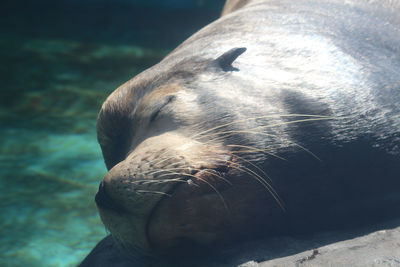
(59, 61)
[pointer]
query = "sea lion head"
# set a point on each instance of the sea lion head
(175, 169)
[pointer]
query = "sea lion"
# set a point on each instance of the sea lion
(279, 116)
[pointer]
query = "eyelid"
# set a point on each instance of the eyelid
(168, 100)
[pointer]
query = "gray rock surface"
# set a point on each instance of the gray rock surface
(380, 248)
(377, 245)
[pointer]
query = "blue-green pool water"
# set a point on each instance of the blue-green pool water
(50, 163)
(58, 64)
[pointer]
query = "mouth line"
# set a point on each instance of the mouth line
(155, 207)
(220, 170)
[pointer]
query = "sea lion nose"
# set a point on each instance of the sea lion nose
(104, 201)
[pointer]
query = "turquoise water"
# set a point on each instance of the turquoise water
(50, 163)
(55, 76)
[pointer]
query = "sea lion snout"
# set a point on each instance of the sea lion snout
(104, 201)
(164, 175)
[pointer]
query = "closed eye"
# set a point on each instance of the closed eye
(168, 100)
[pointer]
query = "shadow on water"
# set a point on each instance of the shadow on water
(60, 60)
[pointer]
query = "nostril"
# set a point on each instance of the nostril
(104, 201)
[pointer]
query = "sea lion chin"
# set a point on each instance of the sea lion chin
(272, 118)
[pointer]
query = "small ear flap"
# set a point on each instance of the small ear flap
(226, 59)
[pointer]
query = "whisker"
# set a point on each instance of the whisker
(171, 173)
(255, 166)
(267, 134)
(153, 181)
(153, 192)
(216, 191)
(258, 178)
(155, 171)
(260, 117)
(214, 174)
(254, 149)
(266, 126)
(161, 159)
(211, 173)
(308, 151)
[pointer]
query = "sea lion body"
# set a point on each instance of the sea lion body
(279, 115)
